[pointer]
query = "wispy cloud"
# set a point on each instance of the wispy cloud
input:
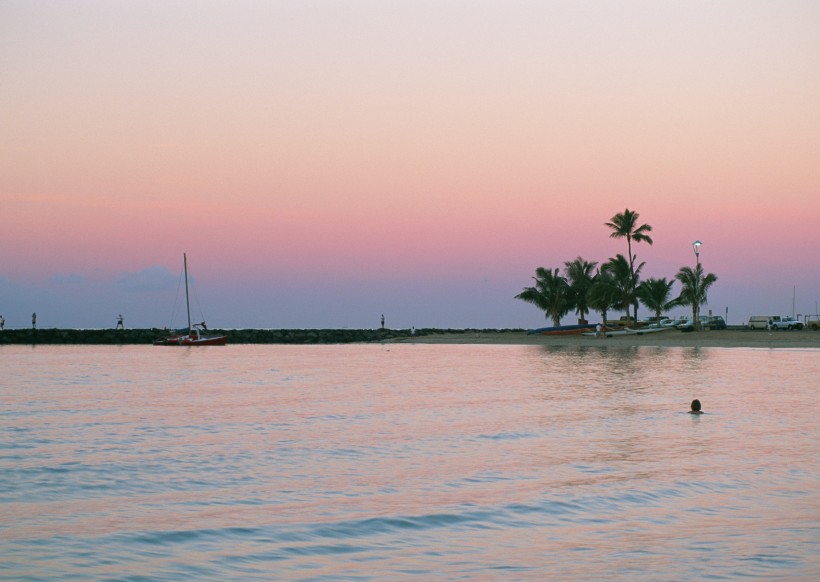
(154, 278)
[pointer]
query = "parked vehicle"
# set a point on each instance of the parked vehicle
(716, 322)
(787, 323)
(762, 321)
(623, 321)
(812, 321)
(689, 324)
(652, 322)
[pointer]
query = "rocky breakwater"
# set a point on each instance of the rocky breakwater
(79, 336)
(235, 336)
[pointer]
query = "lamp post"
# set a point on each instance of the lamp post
(696, 248)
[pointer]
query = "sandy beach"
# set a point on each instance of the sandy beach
(730, 338)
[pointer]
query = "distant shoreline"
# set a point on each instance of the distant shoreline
(729, 338)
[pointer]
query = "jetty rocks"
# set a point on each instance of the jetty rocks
(235, 336)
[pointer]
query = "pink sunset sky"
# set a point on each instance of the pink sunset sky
(324, 162)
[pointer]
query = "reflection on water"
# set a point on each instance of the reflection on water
(499, 462)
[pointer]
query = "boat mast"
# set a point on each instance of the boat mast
(187, 301)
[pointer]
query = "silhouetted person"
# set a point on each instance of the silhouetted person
(695, 407)
(382, 320)
(120, 324)
(34, 320)
(2, 323)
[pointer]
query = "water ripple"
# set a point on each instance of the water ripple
(441, 462)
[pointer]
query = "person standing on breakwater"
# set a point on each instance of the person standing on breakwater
(382, 320)
(120, 324)
(34, 320)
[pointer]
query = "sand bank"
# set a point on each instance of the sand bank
(729, 338)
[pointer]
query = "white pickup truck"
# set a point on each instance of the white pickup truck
(786, 322)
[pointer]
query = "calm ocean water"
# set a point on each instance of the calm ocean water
(377, 462)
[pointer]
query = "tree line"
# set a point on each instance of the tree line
(616, 284)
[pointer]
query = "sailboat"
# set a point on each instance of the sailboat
(195, 335)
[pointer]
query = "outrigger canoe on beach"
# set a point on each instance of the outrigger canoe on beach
(563, 329)
(630, 331)
(590, 330)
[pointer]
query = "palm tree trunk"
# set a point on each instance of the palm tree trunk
(629, 248)
(631, 274)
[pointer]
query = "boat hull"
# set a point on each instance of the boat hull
(563, 330)
(629, 331)
(186, 340)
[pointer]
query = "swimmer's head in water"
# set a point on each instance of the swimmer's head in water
(696, 405)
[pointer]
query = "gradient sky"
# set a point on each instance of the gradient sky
(324, 162)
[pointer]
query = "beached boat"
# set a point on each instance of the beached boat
(630, 331)
(196, 334)
(563, 329)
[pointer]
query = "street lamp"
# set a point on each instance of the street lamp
(696, 248)
(695, 311)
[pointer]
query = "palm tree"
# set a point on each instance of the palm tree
(579, 273)
(694, 285)
(654, 293)
(625, 225)
(603, 294)
(624, 279)
(551, 293)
